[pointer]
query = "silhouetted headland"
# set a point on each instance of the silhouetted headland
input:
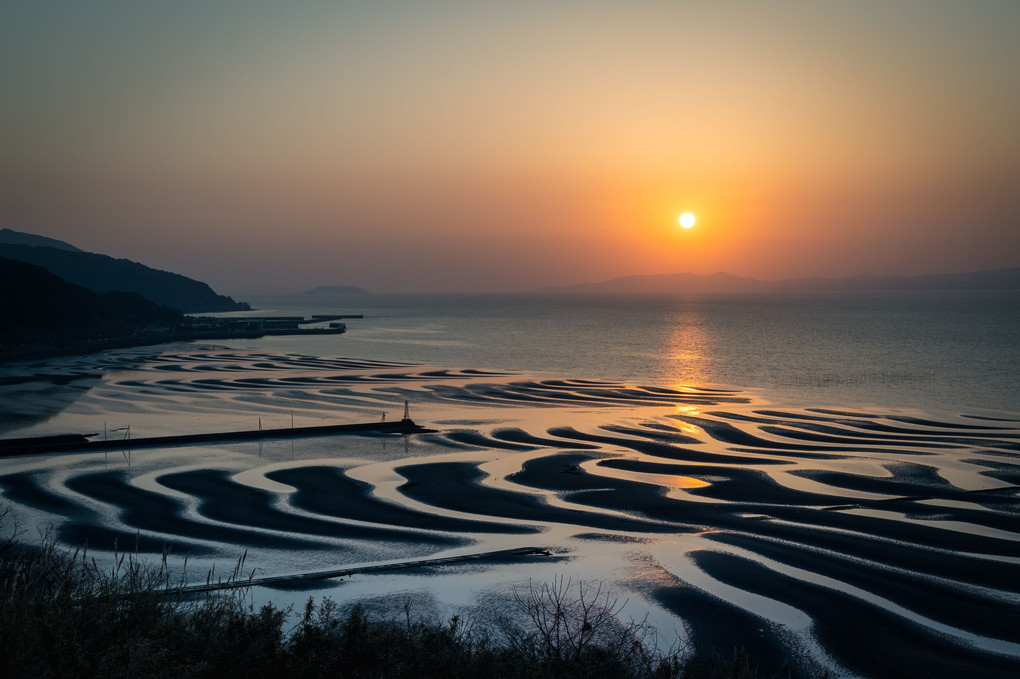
(101, 273)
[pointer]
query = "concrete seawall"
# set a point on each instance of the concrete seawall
(78, 443)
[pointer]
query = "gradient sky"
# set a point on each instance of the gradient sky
(477, 146)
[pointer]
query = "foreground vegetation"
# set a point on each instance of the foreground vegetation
(61, 615)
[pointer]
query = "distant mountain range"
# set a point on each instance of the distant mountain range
(336, 290)
(997, 279)
(12, 237)
(101, 273)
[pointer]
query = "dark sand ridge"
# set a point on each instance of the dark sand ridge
(884, 434)
(1007, 472)
(836, 435)
(223, 499)
(473, 438)
(981, 418)
(662, 434)
(923, 549)
(749, 486)
(330, 492)
(731, 485)
(624, 395)
(860, 646)
(211, 383)
(906, 491)
(522, 441)
(845, 413)
(723, 395)
(32, 399)
(456, 486)
(443, 441)
(941, 600)
(880, 644)
(608, 393)
(662, 450)
(262, 360)
(715, 623)
(846, 623)
(973, 434)
(144, 510)
(581, 487)
(551, 393)
(517, 435)
(82, 526)
(727, 433)
(867, 429)
(493, 394)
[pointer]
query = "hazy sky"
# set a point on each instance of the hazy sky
(447, 146)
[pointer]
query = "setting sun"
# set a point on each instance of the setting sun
(687, 220)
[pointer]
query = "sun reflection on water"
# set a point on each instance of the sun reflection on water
(688, 350)
(685, 426)
(686, 482)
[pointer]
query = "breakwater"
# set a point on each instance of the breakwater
(79, 443)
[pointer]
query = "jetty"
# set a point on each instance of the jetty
(223, 327)
(68, 443)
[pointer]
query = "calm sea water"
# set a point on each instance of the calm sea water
(926, 350)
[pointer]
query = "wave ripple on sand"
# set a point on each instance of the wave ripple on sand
(868, 542)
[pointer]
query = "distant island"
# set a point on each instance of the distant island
(101, 273)
(996, 279)
(336, 290)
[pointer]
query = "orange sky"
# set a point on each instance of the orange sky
(505, 146)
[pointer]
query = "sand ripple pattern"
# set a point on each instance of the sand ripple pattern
(887, 544)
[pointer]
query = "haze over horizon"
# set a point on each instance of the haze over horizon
(486, 147)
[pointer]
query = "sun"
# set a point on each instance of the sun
(687, 220)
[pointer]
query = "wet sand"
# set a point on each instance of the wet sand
(868, 543)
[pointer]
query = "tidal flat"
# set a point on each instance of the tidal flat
(860, 541)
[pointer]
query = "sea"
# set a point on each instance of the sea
(955, 350)
(830, 481)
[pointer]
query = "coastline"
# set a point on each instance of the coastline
(85, 347)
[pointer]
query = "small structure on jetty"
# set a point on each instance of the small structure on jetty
(258, 326)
